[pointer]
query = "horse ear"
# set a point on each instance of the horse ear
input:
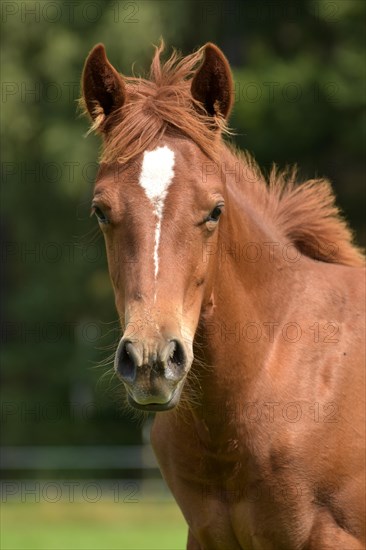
(212, 85)
(103, 88)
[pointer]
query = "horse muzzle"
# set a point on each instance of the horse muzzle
(153, 372)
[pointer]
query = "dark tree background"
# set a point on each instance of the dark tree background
(299, 69)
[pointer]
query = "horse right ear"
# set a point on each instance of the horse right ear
(103, 89)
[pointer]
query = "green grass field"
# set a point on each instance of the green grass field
(92, 526)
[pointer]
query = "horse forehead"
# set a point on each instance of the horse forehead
(157, 172)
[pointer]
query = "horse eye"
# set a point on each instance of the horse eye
(215, 214)
(102, 218)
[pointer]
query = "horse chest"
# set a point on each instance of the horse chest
(247, 505)
(220, 490)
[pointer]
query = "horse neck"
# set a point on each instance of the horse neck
(253, 273)
(249, 296)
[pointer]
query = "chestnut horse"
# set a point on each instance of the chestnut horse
(241, 304)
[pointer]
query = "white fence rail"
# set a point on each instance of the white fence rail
(132, 457)
(122, 461)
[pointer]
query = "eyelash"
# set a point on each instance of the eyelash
(102, 218)
(215, 214)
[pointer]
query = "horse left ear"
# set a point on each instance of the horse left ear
(212, 85)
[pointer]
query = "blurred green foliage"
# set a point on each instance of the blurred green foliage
(300, 97)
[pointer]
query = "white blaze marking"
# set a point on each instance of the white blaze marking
(156, 175)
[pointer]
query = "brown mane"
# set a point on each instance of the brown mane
(306, 214)
(161, 105)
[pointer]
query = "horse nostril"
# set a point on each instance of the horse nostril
(127, 361)
(177, 357)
